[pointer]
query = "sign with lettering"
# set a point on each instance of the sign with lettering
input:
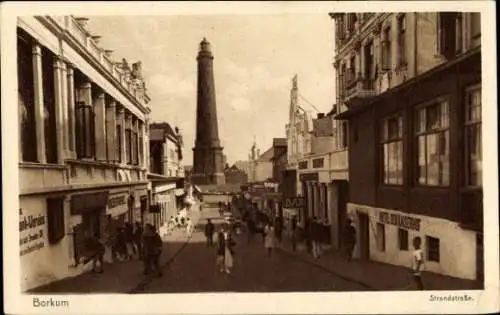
(117, 201)
(305, 177)
(403, 221)
(31, 229)
(294, 202)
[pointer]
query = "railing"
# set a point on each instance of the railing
(83, 37)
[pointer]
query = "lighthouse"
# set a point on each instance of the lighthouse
(208, 161)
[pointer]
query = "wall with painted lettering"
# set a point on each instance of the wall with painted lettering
(41, 263)
(457, 246)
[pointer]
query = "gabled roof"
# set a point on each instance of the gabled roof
(267, 156)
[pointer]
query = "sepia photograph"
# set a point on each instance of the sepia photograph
(274, 157)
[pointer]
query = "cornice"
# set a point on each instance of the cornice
(65, 35)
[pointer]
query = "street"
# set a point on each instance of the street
(194, 269)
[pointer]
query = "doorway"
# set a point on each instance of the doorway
(480, 258)
(364, 236)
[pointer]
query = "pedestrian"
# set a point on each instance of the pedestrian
(153, 246)
(294, 231)
(189, 227)
(209, 232)
(220, 250)
(120, 246)
(250, 229)
(316, 238)
(129, 240)
(417, 262)
(279, 228)
(349, 236)
(96, 249)
(307, 234)
(138, 239)
(270, 238)
(221, 210)
(229, 244)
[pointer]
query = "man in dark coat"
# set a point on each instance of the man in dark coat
(349, 236)
(209, 232)
(152, 246)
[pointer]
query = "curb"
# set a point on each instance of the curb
(319, 266)
(142, 286)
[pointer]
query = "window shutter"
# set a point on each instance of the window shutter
(55, 218)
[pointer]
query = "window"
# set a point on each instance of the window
(344, 135)
(84, 117)
(433, 144)
(119, 143)
(55, 218)
(128, 147)
(381, 237)
(135, 148)
(432, 248)
(318, 163)
(386, 49)
(473, 148)
(351, 22)
(369, 62)
(351, 74)
(26, 94)
(392, 150)
(446, 30)
(49, 106)
(303, 165)
(475, 25)
(402, 40)
(141, 148)
(403, 239)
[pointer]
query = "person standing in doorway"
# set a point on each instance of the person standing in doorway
(209, 232)
(417, 262)
(349, 237)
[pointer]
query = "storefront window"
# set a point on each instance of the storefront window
(433, 144)
(392, 150)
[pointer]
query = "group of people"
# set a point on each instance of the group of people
(224, 245)
(145, 244)
(177, 222)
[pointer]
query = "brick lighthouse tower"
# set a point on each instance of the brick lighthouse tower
(208, 163)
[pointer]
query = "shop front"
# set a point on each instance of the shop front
(163, 202)
(386, 235)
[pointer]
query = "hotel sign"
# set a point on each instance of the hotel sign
(403, 221)
(294, 202)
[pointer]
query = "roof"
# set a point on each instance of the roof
(156, 134)
(165, 126)
(267, 156)
(279, 142)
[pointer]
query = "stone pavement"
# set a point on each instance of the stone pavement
(120, 277)
(376, 276)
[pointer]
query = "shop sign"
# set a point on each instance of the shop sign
(31, 229)
(403, 221)
(116, 201)
(86, 202)
(309, 177)
(294, 202)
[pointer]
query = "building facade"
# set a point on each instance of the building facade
(322, 177)
(412, 86)
(166, 150)
(235, 176)
(83, 145)
(260, 165)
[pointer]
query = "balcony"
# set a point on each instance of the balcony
(359, 88)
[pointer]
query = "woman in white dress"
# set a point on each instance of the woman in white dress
(270, 238)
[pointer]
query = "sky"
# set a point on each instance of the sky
(255, 59)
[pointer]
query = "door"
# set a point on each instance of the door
(479, 258)
(364, 236)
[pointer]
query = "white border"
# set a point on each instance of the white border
(305, 303)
